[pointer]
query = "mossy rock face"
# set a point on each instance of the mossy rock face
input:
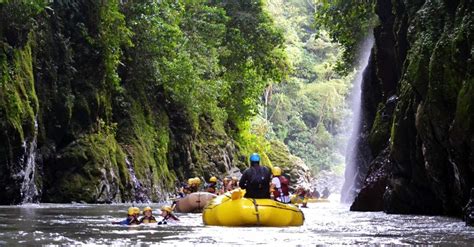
(89, 170)
(110, 126)
(431, 132)
(212, 153)
(380, 133)
(292, 166)
(18, 120)
(280, 155)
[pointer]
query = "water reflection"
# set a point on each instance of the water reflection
(325, 224)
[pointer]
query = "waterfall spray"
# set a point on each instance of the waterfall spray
(28, 190)
(355, 121)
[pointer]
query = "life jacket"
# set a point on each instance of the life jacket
(187, 190)
(258, 185)
(133, 221)
(147, 220)
(211, 188)
(302, 194)
(284, 182)
(193, 189)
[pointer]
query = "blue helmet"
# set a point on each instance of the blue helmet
(255, 157)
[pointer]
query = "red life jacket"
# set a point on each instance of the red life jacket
(284, 182)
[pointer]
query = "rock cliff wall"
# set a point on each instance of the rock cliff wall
(421, 138)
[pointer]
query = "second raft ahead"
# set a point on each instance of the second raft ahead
(232, 209)
(194, 202)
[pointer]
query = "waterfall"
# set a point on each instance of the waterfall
(28, 190)
(355, 123)
(139, 191)
(131, 171)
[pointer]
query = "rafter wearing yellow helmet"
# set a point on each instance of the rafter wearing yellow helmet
(148, 216)
(131, 218)
(167, 214)
(212, 185)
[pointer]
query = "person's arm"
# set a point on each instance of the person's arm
(172, 216)
(276, 182)
(123, 222)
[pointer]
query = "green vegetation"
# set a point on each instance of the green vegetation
(307, 109)
(348, 22)
(166, 89)
(133, 95)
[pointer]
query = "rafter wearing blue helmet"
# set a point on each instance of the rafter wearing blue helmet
(256, 179)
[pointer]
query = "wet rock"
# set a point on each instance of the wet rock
(469, 210)
(370, 197)
(430, 133)
(292, 166)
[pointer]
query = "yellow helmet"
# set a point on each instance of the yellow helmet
(213, 179)
(167, 209)
(131, 211)
(197, 180)
(190, 181)
(276, 171)
(136, 210)
(147, 209)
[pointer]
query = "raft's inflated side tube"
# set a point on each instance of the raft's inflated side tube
(231, 209)
(318, 200)
(194, 202)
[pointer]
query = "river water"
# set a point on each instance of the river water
(326, 223)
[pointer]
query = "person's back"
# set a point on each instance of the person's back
(280, 186)
(256, 179)
(315, 194)
(325, 193)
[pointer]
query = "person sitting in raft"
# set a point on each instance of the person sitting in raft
(167, 214)
(195, 183)
(256, 179)
(315, 194)
(131, 218)
(147, 216)
(225, 184)
(211, 186)
(325, 193)
(235, 183)
(230, 183)
(301, 195)
(186, 188)
(279, 187)
(181, 190)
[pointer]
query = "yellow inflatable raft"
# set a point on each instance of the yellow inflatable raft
(295, 199)
(317, 200)
(298, 200)
(232, 209)
(194, 202)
